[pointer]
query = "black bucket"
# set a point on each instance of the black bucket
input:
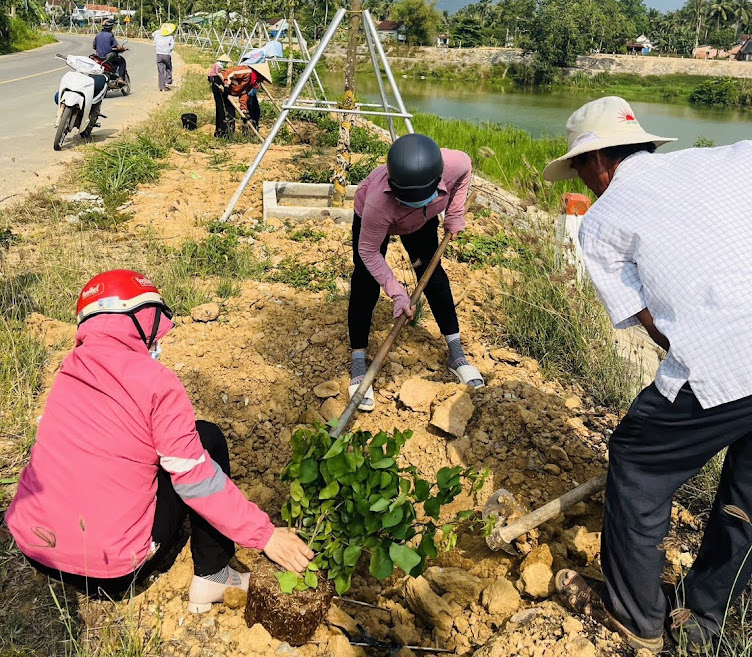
(190, 121)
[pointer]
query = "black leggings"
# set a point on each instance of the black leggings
(364, 290)
(224, 110)
(211, 550)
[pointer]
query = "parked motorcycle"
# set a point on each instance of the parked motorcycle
(79, 98)
(109, 65)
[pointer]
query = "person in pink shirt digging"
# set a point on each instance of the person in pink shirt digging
(405, 197)
(120, 460)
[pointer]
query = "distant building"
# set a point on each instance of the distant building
(391, 31)
(442, 40)
(93, 13)
(705, 52)
(640, 46)
(277, 28)
(58, 8)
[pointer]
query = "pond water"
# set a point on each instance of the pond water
(543, 114)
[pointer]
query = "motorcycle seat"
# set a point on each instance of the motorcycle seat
(100, 82)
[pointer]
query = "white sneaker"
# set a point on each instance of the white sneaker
(203, 592)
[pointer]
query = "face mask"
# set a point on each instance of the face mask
(157, 352)
(420, 204)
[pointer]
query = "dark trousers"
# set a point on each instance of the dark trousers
(657, 447)
(164, 71)
(224, 110)
(364, 290)
(211, 550)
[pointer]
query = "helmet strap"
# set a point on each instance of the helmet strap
(154, 328)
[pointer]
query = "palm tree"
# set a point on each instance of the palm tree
(720, 10)
(742, 12)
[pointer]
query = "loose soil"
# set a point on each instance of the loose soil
(253, 371)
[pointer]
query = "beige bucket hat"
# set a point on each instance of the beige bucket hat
(602, 123)
(262, 69)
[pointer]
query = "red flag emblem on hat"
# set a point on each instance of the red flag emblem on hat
(627, 116)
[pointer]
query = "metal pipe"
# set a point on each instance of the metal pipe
(387, 69)
(304, 48)
(377, 71)
(281, 118)
(303, 108)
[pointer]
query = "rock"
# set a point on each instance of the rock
(556, 453)
(180, 575)
(332, 408)
(235, 598)
(462, 585)
(338, 617)
(570, 625)
(286, 650)
(552, 469)
(255, 640)
(583, 544)
(541, 554)
(274, 222)
(407, 635)
(523, 617)
(505, 355)
(538, 580)
(311, 416)
(423, 602)
(573, 402)
(501, 599)
(206, 312)
(579, 647)
(417, 394)
(327, 389)
(339, 646)
(453, 414)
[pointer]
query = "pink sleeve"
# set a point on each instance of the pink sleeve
(454, 220)
(197, 479)
(373, 231)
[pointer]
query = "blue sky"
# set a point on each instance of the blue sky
(663, 5)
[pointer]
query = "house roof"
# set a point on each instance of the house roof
(58, 3)
(746, 49)
(107, 8)
(389, 26)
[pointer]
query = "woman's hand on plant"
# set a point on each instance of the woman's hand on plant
(287, 550)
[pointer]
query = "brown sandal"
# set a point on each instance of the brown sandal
(585, 599)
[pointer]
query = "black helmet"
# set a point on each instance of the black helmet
(108, 24)
(414, 166)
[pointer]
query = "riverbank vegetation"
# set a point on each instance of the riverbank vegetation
(18, 27)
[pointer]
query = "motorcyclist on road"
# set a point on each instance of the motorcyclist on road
(107, 47)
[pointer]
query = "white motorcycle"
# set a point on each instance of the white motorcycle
(79, 98)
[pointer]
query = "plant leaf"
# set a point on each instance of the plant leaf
(393, 518)
(428, 545)
(379, 505)
(296, 491)
(352, 554)
(309, 471)
(336, 448)
(432, 507)
(329, 491)
(287, 581)
(381, 565)
(311, 580)
(383, 464)
(422, 490)
(404, 557)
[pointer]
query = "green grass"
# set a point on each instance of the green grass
(480, 251)
(119, 168)
(547, 316)
(505, 154)
(22, 358)
(23, 37)
(307, 277)
(307, 234)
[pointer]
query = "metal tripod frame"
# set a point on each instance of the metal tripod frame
(327, 106)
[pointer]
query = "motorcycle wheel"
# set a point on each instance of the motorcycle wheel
(126, 88)
(93, 116)
(63, 128)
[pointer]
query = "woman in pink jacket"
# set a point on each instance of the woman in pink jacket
(405, 197)
(120, 460)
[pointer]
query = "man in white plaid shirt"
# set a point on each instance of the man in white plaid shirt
(668, 245)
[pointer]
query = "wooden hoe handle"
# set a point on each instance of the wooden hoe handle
(502, 536)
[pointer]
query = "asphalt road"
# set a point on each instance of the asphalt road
(28, 82)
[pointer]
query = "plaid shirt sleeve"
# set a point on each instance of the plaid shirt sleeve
(609, 260)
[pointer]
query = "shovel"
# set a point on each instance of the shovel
(503, 505)
(378, 360)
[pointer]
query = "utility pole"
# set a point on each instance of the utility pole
(344, 154)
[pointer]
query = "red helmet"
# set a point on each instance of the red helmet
(118, 291)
